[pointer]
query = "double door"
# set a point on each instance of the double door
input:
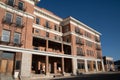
(6, 63)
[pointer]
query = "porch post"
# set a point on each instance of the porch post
(86, 66)
(47, 66)
(74, 66)
(26, 66)
(103, 69)
(96, 65)
(63, 66)
(55, 67)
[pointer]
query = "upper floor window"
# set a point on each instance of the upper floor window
(88, 43)
(37, 20)
(59, 29)
(21, 5)
(47, 24)
(80, 52)
(19, 21)
(10, 2)
(88, 35)
(67, 29)
(77, 30)
(5, 36)
(55, 27)
(47, 34)
(8, 18)
(17, 38)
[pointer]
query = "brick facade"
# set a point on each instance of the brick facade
(47, 43)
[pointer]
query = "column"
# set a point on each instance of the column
(47, 66)
(74, 66)
(55, 67)
(86, 66)
(96, 64)
(46, 44)
(103, 69)
(63, 66)
(62, 48)
(26, 66)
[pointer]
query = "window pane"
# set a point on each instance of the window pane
(16, 38)
(10, 2)
(19, 21)
(5, 35)
(7, 55)
(20, 5)
(8, 17)
(37, 21)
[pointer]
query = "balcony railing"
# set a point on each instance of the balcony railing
(11, 43)
(7, 21)
(79, 41)
(97, 39)
(4, 42)
(21, 25)
(81, 54)
(98, 47)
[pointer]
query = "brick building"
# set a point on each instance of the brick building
(34, 41)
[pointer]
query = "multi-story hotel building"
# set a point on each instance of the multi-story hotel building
(34, 41)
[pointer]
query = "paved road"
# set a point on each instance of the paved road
(103, 76)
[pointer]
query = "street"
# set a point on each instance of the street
(102, 76)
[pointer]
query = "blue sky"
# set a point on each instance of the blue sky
(102, 15)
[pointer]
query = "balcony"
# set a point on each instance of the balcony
(81, 54)
(4, 42)
(7, 21)
(20, 25)
(97, 39)
(98, 47)
(79, 41)
(78, 31)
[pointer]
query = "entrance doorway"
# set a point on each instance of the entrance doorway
(6, 63)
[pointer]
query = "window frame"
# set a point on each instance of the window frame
(6, 19)
(8, 36)
(38, 21)
(15, 38)
(12, 2)
(22, 6)
(19, 24)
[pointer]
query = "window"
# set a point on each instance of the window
(55, 27)
(37, 31)
(5, 36)
(67, 29)
(77, 30)
(80, 52)
(88, 35)
(37, 20)
(21, 5)
(7, 55)
(47, 34)
(17, 66)
(8, 18)
(10, 2)
(81, 64)
(59, 29)
(89, 44)
(17, 38)
(47, 24)
(18, 21)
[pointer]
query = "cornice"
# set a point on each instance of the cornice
(80, 23)
(40, 11)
